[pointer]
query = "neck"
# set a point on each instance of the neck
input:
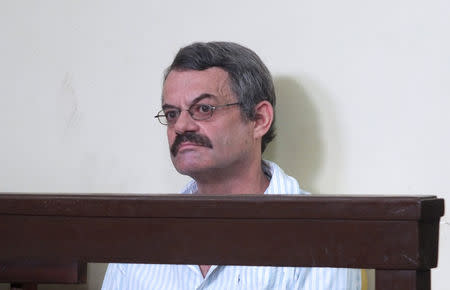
(244, 180)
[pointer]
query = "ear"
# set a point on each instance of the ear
(263, 119)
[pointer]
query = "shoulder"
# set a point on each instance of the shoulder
(191, 187)
(328, 278)
(147, 276)
(280, 182)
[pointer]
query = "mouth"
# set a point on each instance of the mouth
(187, 145)
(189, 140)
(184, 146)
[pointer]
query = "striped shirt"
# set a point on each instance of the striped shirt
(189, 277)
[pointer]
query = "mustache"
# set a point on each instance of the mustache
(192, 137)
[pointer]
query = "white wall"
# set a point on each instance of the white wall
(363, 86)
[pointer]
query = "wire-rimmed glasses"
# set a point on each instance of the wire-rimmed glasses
(198, 112)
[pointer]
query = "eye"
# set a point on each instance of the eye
(203, 109)
(171, 114)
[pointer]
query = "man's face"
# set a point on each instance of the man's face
(224, 141)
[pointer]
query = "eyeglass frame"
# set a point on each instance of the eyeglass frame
(162, 115)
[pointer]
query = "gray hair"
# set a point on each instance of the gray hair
(250, 80)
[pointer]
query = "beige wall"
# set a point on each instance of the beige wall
(364, 93)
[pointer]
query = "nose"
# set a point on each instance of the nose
(185, 123)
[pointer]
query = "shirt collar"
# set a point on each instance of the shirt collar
(269, 168)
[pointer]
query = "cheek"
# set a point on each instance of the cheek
(170, 136)
(238, 139)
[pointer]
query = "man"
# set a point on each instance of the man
(218, 105)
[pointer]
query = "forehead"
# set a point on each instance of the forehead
(182, 87)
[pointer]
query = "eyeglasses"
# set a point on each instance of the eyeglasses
(198, 112)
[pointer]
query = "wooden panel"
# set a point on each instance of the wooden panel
(32, 271)
(307, 241)
(239, 241)
(398, 235)
(24, 286)
(408, 280)
(246, 206)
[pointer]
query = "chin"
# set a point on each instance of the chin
(191, 172)
(188, 167)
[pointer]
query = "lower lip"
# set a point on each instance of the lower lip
(187, 147)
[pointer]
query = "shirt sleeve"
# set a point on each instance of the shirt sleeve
(327, 279)
(113, 278)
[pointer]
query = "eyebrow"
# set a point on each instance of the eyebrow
(195, 101)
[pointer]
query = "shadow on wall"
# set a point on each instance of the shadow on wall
(297, 147)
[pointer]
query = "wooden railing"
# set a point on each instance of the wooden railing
(49, 238)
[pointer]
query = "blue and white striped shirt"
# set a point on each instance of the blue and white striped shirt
(189, 277)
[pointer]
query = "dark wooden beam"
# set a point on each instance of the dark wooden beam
(34, 271)
(403, 279)
(387, 233)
